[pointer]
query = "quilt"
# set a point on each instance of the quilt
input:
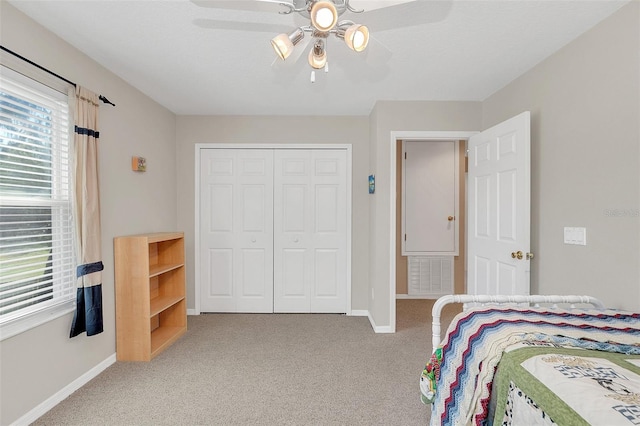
(458, 381)
(547, 385)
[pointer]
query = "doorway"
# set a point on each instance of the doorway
(440, 270)
(395, 138)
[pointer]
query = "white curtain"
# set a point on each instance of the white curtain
(88, 315)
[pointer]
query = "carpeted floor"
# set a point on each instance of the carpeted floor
(276, 369)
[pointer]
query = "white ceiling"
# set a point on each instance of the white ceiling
(212, 61)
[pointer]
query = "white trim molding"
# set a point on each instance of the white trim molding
(63, 393)
(394, 136)
(382, 328)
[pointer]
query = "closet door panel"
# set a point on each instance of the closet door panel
(293, 274)
(310, 221)
(329, 177)
(292, 231)
(236, 232)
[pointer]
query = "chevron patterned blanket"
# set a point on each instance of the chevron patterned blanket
(458, 381)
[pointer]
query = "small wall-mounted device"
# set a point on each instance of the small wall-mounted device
(138, 164)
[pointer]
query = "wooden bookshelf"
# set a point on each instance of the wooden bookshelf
(151, 307)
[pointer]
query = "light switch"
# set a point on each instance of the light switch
(577, 236)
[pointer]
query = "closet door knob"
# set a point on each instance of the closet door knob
(450, 218)
(295, 240)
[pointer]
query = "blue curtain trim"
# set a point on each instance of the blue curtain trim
(89, 268)
(88, 316)
(85, 131)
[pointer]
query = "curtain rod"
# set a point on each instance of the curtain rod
(102, 98)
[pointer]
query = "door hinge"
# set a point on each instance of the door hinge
(405, 155)
(405, 237)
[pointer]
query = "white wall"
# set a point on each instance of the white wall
(585, 105)
(391, 116)
(38, 363)
(277, 130)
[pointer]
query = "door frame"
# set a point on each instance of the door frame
(200, 146)
(395, 136)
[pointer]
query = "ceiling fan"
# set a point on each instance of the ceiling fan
(324, 18)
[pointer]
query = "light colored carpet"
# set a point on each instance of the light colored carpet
(277, 369)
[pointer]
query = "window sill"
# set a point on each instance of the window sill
(20, 325)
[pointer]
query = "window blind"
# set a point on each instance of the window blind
(36, 222)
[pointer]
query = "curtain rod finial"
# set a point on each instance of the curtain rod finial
(105, 100)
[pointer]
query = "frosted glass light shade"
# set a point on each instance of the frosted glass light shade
(357, 37)
(317, 60)
(282, 45)
(324, 15)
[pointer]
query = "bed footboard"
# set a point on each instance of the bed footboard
(482, 299)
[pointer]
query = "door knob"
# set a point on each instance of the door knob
(253, 239)
(517, 255)
(295, 240)
(450, 218)
(529, 256)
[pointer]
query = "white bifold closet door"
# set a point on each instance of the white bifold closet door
(310, 225)
(236, 230)
(273, 230)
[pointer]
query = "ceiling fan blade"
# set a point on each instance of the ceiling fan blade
(402, 15)
(275, 6)
(218, 24)
(369, 5)
(376, 54)
(371, 65)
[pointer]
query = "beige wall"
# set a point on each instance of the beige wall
(40, 362)
(585, 145)
(386, 117)
(192, 130)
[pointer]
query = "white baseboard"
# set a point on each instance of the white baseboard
(379, 329)
(376, 329)
(192, 312)
(63, 393)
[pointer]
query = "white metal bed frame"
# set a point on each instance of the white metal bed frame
(484, 299)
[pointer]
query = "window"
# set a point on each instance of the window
(37, 275)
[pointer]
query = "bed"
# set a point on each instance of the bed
(533, 360)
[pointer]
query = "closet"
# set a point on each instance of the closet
(273, 230)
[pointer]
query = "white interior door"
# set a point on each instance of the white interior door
(430, 198)
(236, 230)
(499, 209)
(310, 244)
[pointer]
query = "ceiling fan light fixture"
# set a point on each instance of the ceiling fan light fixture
(283, 44)
(356, 37)
(317, 55)
(324, 15)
